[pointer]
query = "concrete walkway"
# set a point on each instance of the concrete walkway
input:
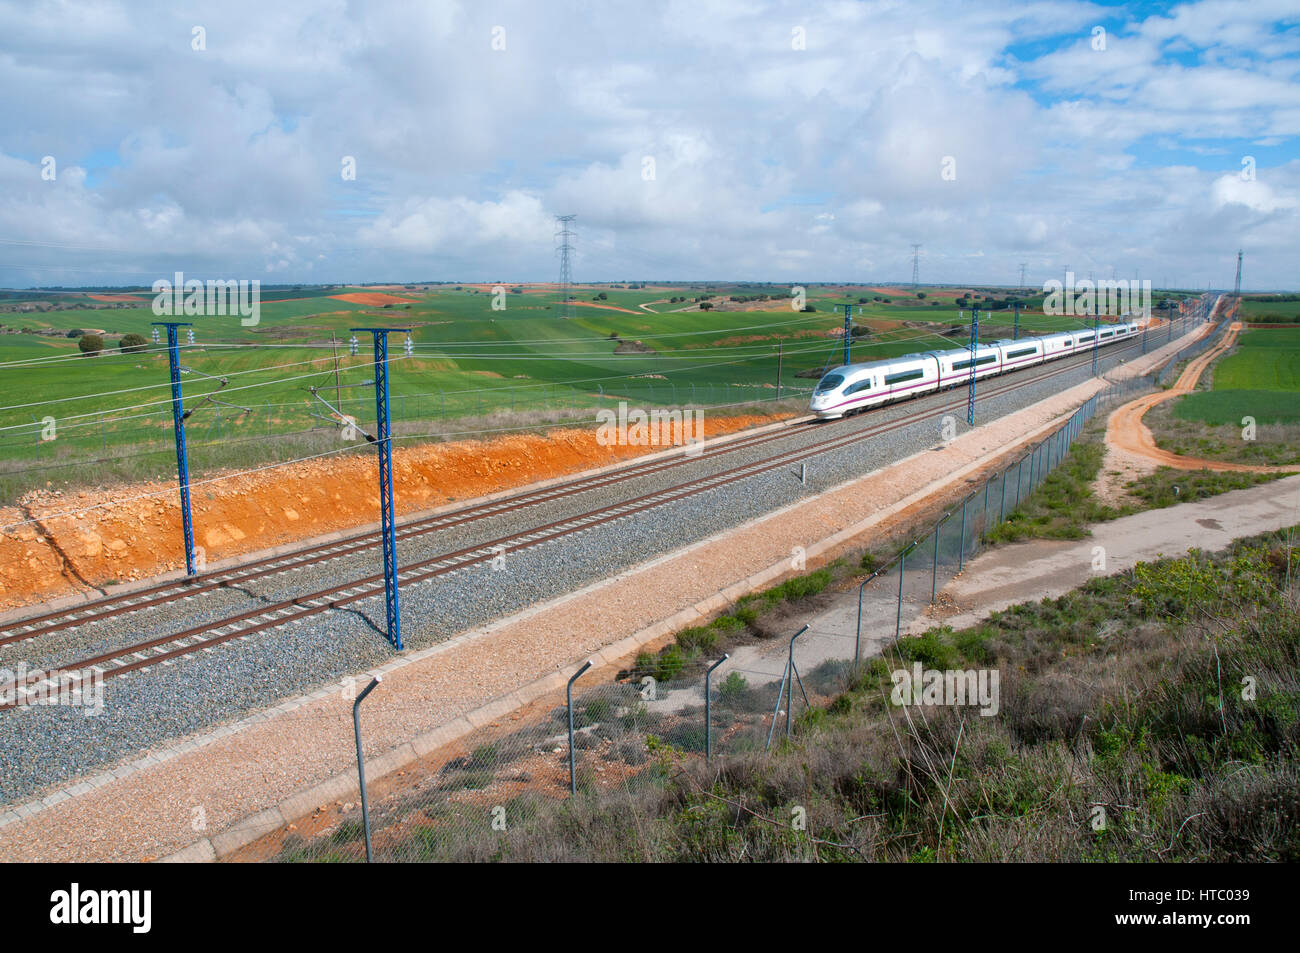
(1043, 569)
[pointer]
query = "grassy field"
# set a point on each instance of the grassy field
(1260, 379)
(1253, 309)
(111, 413)
(1064, 505)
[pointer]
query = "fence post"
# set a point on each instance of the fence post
(1002, 506)
(787, 687)
(898, 619)
(361, 762)
(857, 638)
(708, 707)
(568, 691)
(934, 563)
(961, 546)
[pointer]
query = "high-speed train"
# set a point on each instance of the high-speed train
(854, 387)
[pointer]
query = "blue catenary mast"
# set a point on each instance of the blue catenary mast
(178, 422)
(974, 346)
(383, 443)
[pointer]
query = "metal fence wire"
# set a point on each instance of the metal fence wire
(614, 740)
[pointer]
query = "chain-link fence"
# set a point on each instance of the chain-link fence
(616, 738)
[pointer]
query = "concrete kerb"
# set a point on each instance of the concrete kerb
(344, 785)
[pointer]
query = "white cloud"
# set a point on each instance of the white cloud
(770, 162)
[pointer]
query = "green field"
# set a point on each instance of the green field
(112, 412)
(1270, 311)
(1260, 379)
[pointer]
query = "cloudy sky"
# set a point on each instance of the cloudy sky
(693, 139)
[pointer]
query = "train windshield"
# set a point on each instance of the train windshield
(829, 383)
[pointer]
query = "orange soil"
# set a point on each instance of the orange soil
(136, 299)
(372, 297)
(1127, 433)
(134, 532)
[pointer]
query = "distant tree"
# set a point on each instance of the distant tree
(131, 343)
(706, 305)
(90, 344)
(76, 333)
(920, 294)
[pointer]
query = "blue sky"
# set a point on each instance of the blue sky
(694, 139)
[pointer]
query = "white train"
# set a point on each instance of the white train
(854, 387)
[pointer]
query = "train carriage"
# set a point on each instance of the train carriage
(854, 387)
(954, 366)
(1024, 352)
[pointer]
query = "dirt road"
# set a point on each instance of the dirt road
(1128, 437)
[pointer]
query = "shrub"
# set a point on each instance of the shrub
(733, 687)
(929, 650)
(671, 662)
(596, 710)
(131, 343)
(697, 639)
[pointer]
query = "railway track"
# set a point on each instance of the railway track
(170, 648)
(181, 589)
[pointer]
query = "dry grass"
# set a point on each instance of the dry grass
(1150, 716)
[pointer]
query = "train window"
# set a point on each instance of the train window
(860, 385)
(1022, 352)
(1083, 339)
(902, 376)
(829, 383)
(962, 365)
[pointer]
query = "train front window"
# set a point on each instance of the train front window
(829, 383)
